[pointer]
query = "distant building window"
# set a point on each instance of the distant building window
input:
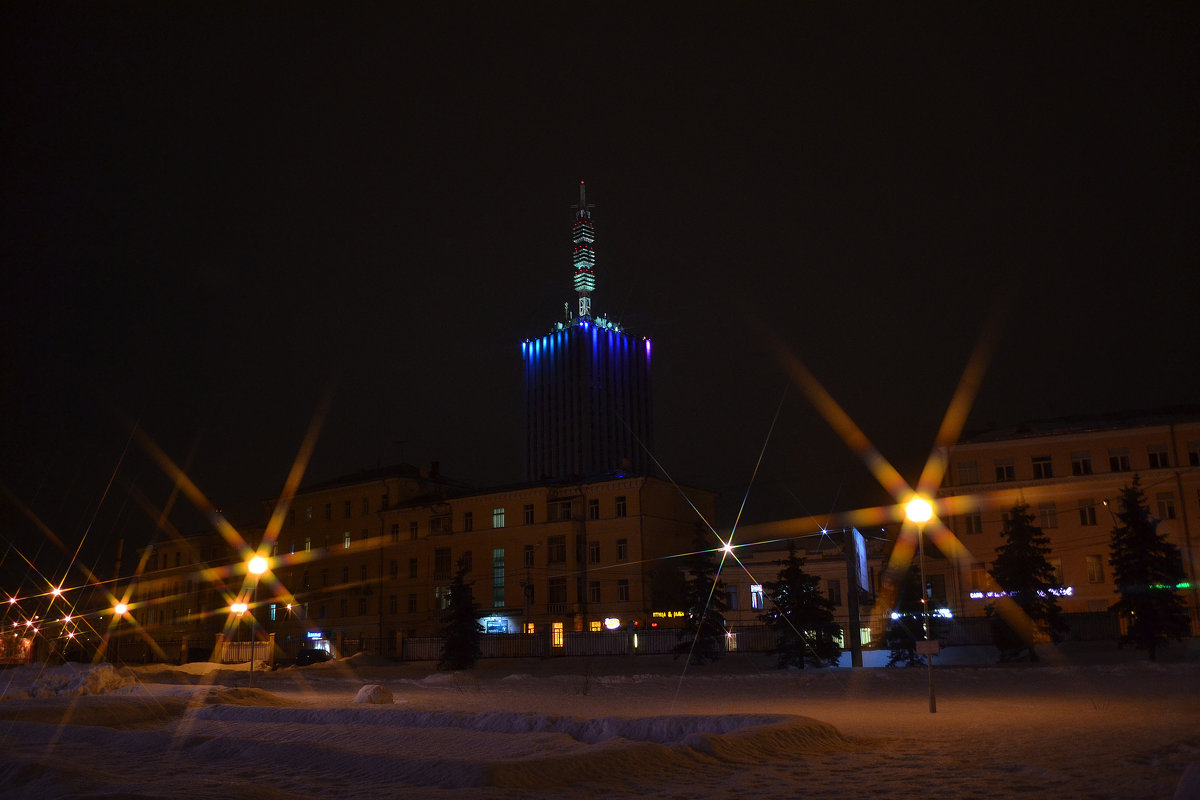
(979, 576)
(621, 505)
(441, 563)
(346, 509)
(383, 501)
(1047, 515)
(529, 550)
(1118, 459)
(439, 525)
(366, 506)
(968, 473)
(308, 544)
(412, 568)
(345, 575)
(557, 596)
(1081, 463)
(468, 561)
(756, 596)
(304, 579)
(498, 577)
(731, 596)
(412, 604)
(556, 634)
(308, 514)
(393, 569)
(413, 527)
(560, 512)
(393, 606)
(556, 549)
(363, 573)
(395, 532)
(528, 513)
(441, 597)
(623, 590)
(1158, 456)
(594, 592)
(622, 549)
(594, 552)
(497, 517)
(468, 521)
(1166, 505)
(834, 586)
(1006, 470)
(593, 509)
(329, 511)
(346, 540)
(1087, 513)
(362, 606)
(1193, 449)
(1043, 468)
(1095, 569)
(324, 576)
(973, 523)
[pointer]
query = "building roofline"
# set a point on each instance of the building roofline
(1087, 423)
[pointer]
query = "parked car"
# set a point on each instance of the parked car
(312, 655)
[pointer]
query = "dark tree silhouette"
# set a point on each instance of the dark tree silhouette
(461, 630)
(907, 626)
(1027, 577)
(802, 617)
(1147, 570)
(705, 604)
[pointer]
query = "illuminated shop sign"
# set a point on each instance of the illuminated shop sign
(668, 614)
(1066, 591)
(612, 623)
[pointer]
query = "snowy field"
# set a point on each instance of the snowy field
(1087, 725)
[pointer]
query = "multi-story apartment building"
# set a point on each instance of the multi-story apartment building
(360, 559)
(1070, 474)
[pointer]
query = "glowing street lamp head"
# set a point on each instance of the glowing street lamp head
(257, 565)
(120, 609)
(918, 509)
(238, 608)
(728, 547)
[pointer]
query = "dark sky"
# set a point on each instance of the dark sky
(215, 213)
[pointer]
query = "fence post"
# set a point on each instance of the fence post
(218, 653)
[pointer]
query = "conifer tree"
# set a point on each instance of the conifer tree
(908, 625)
(705, 604)
(1147, 570)
(461, 630)
(1023, 572)
(802, 617)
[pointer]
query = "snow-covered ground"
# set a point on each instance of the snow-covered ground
(1092, 725)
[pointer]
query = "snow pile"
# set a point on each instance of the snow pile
(74, 680)
(374, 694)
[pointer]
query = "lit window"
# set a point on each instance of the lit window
(756, 596)
(556, 634)
(273, 610)
(497, 517)
(528, 628)
(307, 544)
(346, 540)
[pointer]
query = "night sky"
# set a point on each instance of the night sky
(214, 214)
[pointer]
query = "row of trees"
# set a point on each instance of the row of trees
(1147, 569)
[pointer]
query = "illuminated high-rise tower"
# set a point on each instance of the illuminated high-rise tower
(587, 384)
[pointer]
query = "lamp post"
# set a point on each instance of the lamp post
(256, 567)
(920, 511)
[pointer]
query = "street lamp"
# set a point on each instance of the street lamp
(256, 567)
(920, 511)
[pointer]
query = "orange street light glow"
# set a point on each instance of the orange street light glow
(918, 510)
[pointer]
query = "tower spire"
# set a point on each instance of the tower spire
(583, 237)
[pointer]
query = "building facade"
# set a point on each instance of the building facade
(1070, 474)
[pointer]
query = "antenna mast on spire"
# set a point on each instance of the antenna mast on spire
(583, 236)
